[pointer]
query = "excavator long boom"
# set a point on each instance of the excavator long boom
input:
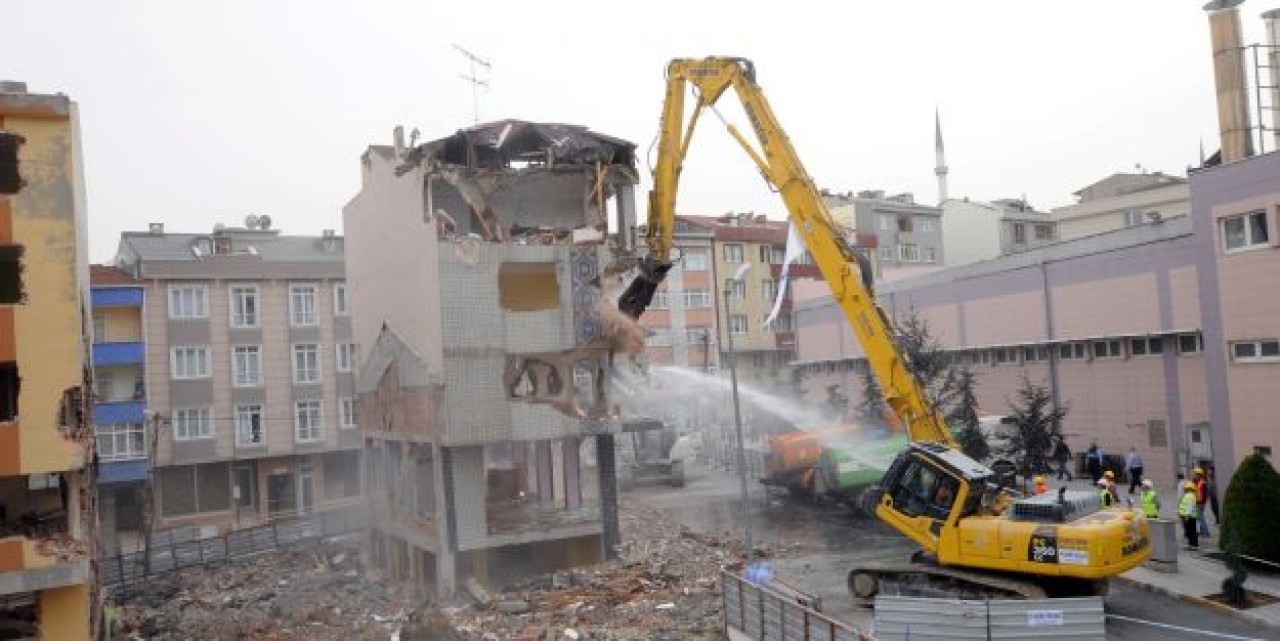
(847, 272)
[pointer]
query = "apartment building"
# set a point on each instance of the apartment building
(479, 266)
(249, 372)
(48, 518)
(976, 230)
(909, 234)
(119, 403)
(682, 320)
(1163, 335)
(1123, 200)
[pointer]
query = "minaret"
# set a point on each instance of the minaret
(940, 154)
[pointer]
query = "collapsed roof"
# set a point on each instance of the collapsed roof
(509, 144)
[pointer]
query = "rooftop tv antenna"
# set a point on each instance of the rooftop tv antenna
(478, 64)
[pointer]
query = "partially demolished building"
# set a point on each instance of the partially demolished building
(478, 266)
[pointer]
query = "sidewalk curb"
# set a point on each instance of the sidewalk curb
(1187, 598)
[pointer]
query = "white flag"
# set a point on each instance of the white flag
(795, 249)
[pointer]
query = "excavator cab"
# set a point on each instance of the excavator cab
(927, 487)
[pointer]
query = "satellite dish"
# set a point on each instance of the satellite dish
(264, 222)
(251, 221)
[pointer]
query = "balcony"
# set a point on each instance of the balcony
(119, 412)
(108, 354)
(116, 297)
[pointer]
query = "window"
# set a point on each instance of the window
(1255, 351)
(695, 261)
(697, 299)
(346, 356)
(886, 223)
(904, 223)
(768, 290)
(121, 442)
(342, 475)
(1132, 218)
(1035, 354)
(927, 224)
(658, 337)
(248, 425)
(738, 324)
(1044, 232)
(887, 253)
(347, 413)
(340, 305)
(1108, 349)
(661, 300)
(99, 328)
(929, 254)
(1019, 233)
(246, 366)
(195, 489)
(244, 306)
(732, 253)
(779, 255)
(781, 324)
(188, 301)
(1245, 231)
(306, 363)
(1005, 355)
(246, 489)
(1149, 346)
(191, 423)
(10, 386)
(1190, 343)
(908, 253)
(189, 362)
(302, 306)
(697, 335)
(307, 422)
(1071, 351)
(735, 288)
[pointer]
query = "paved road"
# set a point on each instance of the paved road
(813, 542)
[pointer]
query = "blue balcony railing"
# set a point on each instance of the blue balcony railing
(119, 413)
(118, 354)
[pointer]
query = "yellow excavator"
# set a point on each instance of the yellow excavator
(977, 539)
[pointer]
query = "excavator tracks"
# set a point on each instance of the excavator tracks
(925, 580)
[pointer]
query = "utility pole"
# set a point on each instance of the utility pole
(474, 78)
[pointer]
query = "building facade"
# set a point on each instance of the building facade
(249, 373)
(480, 266)
(909, 234)
(119, 404)
(682, 320)
(1123, 200)
(47, 473)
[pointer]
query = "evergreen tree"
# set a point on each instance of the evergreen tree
(926, 358)
(873, 408)
(963, 417)
(1251, 509)
(1038, 427)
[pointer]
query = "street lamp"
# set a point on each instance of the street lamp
(737, 407)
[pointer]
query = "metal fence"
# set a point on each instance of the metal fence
(900, 617)
(169, 553)
(764, 615)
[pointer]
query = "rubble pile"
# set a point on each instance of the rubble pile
(664, 586)
(316, 592)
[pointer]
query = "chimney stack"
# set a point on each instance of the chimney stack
(1272, 20)
(1229, 78)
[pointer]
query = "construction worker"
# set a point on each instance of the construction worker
(1104, 493)
(1202, 500)
(1187, 512)
(1041, 486)
(1150, 500)
(1110, 478)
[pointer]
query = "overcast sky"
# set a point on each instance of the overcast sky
(198, 113)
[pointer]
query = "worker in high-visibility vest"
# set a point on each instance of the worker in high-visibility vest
(1150, 500)
(1104, 493)
(1187, 512)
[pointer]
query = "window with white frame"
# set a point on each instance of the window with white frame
(188, 301)
(1146, 346)
(121, 442)
(306, 363)
(308, 424)
(246, 366)
(1035, 354)
(732, 253)
(926, 224)
(1044, 232)
(735, 288)
(887, 222)
(778, 255)
(244, 305)
(347, 413)
(1071, 351)
(697, 335)
(737, 324)
(661, 300)
(346, 356)
(302, 305)
(1255, 351)
(1111, 348)
(340, 305)
(658, 337)
(905, 223)
(908, 253)
(1245, 231)
(189, 362)
(929, 254)
(695, 260)
(768, 290)
(887, 253)
(1132, 218)
(192, 423)
(1004, 355)
(697, 299)
(782, 323)
(1190, 343)
(248, 425)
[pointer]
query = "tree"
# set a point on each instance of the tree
(873, 408)
(926, 358)
(1037, 427)
(1251, 509)
(963, 417)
